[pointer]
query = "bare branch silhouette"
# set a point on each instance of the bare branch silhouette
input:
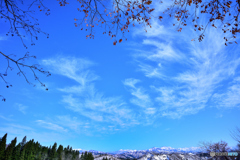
(22, 23)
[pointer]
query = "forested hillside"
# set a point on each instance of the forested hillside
(35, 151)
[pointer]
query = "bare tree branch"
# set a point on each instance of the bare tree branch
(22, 23)
(224, 11)
(19, 63)
(113, 20)
(236, 134)
(215, 147)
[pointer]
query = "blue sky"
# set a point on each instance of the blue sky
(156, 89)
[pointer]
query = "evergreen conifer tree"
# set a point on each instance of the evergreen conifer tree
(16, 152)
(24, 140)
(49, 150)
(59, 152)
(31, 150)
(8, 151)
(77, 154)
(73, 154)
(90, 156)
(68, 149)
(39, 157)
(3, 145)
(37, 150)
(22, 154)
(30, 156)
(53, 152)
(44, 152)
(85, 155)
(26, 151)
(82, 156)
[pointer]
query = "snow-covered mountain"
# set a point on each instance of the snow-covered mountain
(170, 149)
(161, 150)
(155, 153)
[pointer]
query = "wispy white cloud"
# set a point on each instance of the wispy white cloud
(150, 111)
(151, 71)
(230, 97)
(73, 68)
(193, 75)
(131, 82)
(22, 108)
(50, 126)
(146, 112)
(6, 118)
(15, 129)
(81, 90)
(100, 109)
(19, 131)
(20, 126)
(141, 98)
(162, 51)
(156, 30)
(70, 122)
(85, 99)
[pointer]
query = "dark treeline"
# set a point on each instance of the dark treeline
(87, 156)
(34, 151)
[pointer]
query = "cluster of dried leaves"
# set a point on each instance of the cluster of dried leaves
(115, 19)
(220, 14)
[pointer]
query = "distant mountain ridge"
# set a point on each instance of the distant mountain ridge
(154, 150)
(155, 153)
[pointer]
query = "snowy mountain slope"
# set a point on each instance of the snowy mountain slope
(100, 157)
(155, 153)
(151, 150)
(149, 156)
